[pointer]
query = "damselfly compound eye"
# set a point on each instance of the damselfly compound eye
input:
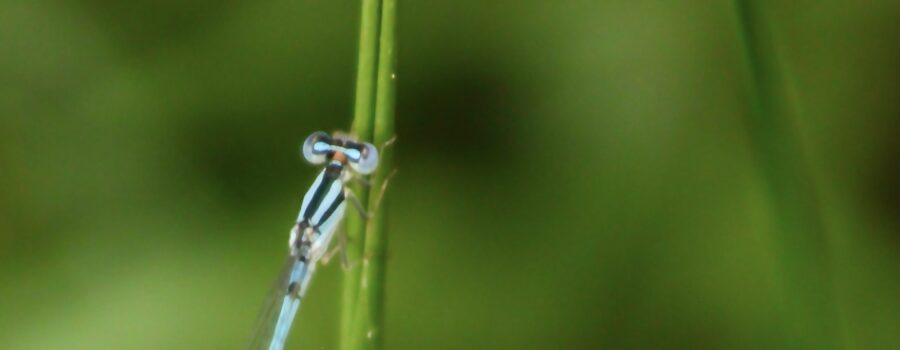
(316, 147)
(367, 160)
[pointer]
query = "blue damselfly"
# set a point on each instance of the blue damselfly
(320, 213)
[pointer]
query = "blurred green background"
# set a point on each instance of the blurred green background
(572, 174)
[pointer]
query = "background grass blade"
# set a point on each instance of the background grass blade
(800, 238)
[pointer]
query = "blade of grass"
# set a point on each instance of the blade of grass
(363, 121)
(368, 322)
(810, 314)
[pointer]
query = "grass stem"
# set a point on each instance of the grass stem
(363, 121)
(369, 318)
(363, 296)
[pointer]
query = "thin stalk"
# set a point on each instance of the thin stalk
(368, 323)
(800, 242)
(363, 121)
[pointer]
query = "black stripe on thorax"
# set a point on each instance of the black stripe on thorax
(332, 173)
(334, 205)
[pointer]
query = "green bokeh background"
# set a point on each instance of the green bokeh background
(572, 174)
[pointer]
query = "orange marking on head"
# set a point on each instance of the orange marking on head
(340, 156)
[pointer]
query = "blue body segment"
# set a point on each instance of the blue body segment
(322, 208)
(290, 303)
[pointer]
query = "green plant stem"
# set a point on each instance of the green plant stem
(800, 242)
(363, 121)
(368, 323)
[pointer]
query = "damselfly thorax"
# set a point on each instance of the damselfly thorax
(324, 203)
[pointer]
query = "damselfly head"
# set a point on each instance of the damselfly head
(361, 156)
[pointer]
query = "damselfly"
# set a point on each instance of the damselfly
(320, 213)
